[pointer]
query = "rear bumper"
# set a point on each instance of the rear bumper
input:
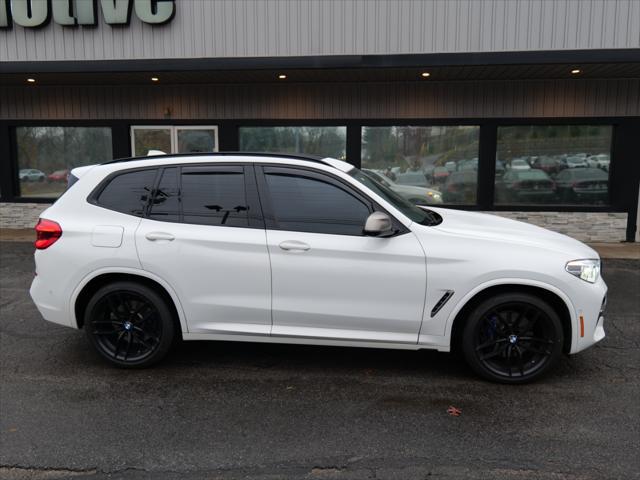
(49, 304)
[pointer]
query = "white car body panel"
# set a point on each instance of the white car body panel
(237, 284)
(348, 287)
(222, 274)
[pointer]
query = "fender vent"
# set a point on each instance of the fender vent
(445, 298)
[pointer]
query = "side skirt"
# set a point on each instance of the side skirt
(435, 342)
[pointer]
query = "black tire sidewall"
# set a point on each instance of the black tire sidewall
(164, 312)
(476, 315)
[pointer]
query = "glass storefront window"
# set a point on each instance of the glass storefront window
(425, 165)
(46, 155)
(173, 139)
(196, 139)
(553, 164)
(146, 139)
(323, 141)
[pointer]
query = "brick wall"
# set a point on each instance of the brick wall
(20, 215)
(585, 226)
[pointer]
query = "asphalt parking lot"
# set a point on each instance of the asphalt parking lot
(229, 410)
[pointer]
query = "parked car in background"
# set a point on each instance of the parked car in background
(31, 175)
(461, 187)
(525, 186)
(282, 249)
(59, 176)
(599, 161)
(575, 184)
(451, 166)
(440, 174)
(519, 164)
(414, 178)
(549, 165)
(576, 161)
(499, 168)
(464, 165)
(416, 195)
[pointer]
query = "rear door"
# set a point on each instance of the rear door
(329, 280)
(205, 236)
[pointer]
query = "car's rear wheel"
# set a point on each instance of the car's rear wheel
(129, 324)
(512, 338)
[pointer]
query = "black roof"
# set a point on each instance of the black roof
(309, 158)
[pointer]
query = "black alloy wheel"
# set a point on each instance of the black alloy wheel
(129, 324)
(513, 338)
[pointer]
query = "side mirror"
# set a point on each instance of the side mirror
(378, 224)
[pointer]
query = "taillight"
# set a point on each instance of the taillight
(47, 233)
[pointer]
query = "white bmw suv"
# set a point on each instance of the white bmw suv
(287, 249)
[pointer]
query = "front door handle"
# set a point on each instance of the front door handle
(294, 246)
(154, 236)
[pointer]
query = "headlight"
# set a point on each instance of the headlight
(588, 270)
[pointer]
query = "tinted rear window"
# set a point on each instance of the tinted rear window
(128, 192)
(214, 196)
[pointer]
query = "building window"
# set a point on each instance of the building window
(322, 141)
(173, 139)
(425, 165)
(553, 165)
(47, 154)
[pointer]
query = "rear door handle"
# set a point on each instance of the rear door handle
(154, 236)
(294, 246)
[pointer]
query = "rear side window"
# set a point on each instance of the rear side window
(165, 206)
(211, 195)
(128, 192)
(214, 196)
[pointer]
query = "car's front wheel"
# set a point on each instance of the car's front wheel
(512, 338)
(129, 324)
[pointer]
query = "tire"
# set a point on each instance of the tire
(129, 324)
(512, 338)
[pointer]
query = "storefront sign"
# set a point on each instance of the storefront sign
(69, 13)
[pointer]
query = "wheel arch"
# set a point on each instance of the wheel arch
(554, 297)
(96, 280)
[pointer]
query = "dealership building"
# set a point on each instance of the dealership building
(528, 109)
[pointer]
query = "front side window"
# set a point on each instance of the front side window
(46, 155)
(128, 192)
(553, 164)
(309, 204)
(426, 165)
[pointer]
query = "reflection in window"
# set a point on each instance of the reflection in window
(553, 164)
(214, 196)
(322, 141)
(47, 154)
(128, 192)
(425, 165)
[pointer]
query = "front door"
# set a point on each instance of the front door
(205, 237)
(328, 279)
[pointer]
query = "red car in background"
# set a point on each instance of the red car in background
(58, 176)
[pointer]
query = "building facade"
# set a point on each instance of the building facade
(528, 108)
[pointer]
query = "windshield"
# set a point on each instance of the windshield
(416, 214)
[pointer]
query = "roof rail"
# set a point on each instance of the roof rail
(309, 158)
